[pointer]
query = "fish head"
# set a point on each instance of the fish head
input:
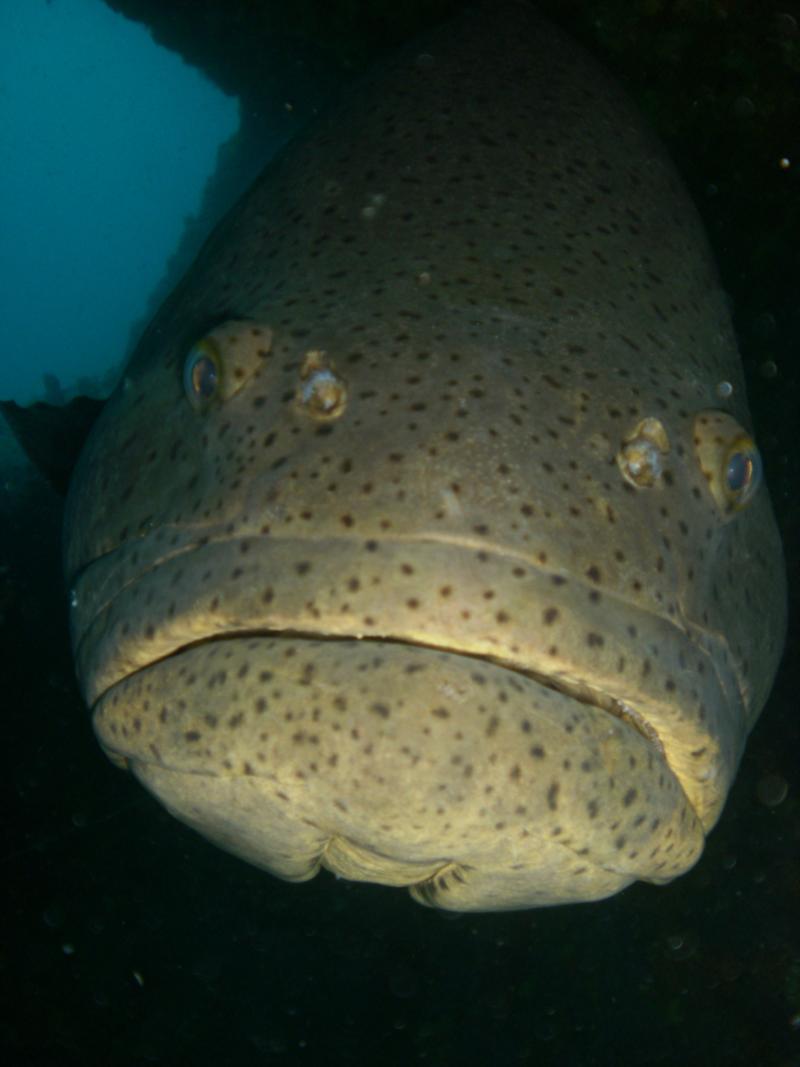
(418, 540)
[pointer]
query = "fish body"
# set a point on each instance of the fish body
(423, 538)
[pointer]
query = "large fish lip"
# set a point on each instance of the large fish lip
(578, 690)
(174, 589)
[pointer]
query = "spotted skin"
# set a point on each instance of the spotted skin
(417, 542)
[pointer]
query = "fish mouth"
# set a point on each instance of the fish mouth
(579, 691)
(141, 606)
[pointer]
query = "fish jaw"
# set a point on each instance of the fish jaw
(474, 785)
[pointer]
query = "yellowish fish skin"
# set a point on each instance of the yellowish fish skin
(422, 539)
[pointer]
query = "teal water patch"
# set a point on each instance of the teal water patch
(107, 141)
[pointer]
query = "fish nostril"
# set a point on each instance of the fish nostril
(321, 390)
(641, 457)
(322, 393)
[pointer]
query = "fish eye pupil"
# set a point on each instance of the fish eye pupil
(204, 377)
(200, 375)
(742, 472)
(739, 472)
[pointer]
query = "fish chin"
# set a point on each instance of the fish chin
(477, 785)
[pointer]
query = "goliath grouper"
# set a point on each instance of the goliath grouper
(423, 539)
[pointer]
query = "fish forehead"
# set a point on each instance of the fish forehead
(440, 185)
(448, 229)
(505, 278)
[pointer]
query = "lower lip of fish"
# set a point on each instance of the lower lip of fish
(412, 755)
(576, 690)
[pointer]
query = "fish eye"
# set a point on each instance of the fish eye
(742, 472)
(728, 458)
(201, 373)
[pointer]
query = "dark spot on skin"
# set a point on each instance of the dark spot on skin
(552, 796)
